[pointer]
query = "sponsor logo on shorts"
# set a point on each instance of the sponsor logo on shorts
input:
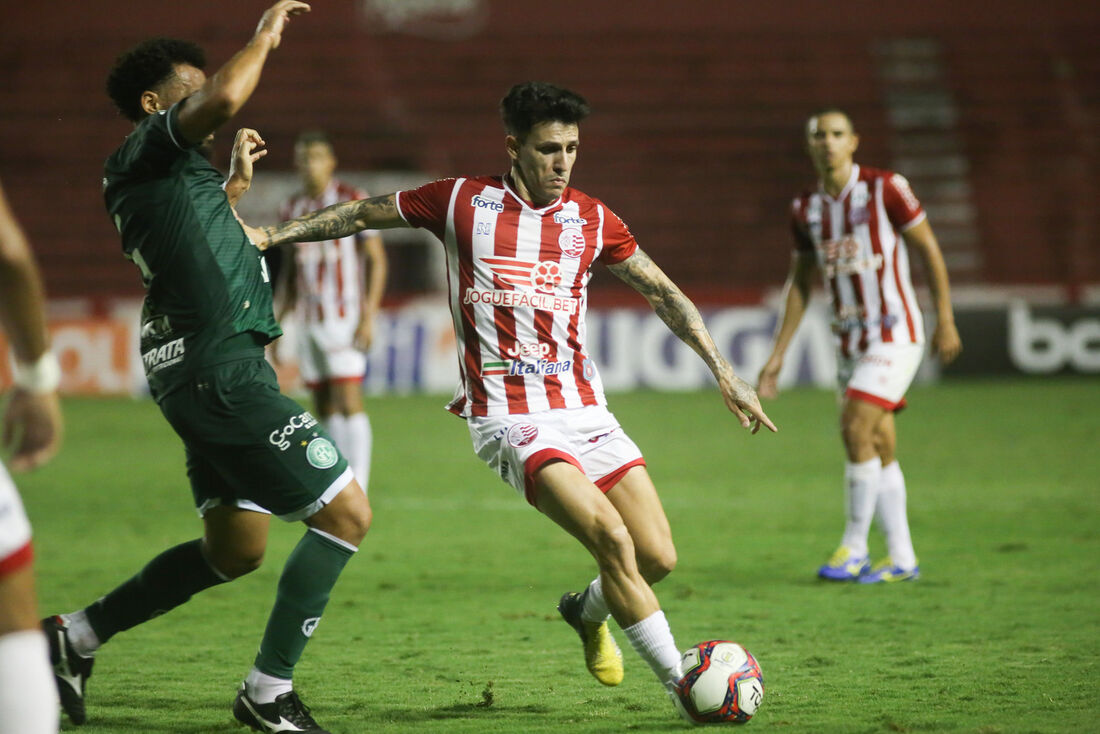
(571, 242)
(309, 625)
(281, 436)
(515, 367)
(321, 454)
(522, 434)
(480, 202)
(163, 356)
(876, 359)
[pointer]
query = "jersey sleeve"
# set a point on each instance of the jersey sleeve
(902, 206)
(799, 236)
(427, 205)
(618, 242)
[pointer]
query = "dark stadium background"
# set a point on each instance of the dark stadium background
(991, 110)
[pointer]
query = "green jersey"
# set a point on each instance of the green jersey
(207, 291)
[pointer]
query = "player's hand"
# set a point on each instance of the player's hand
(946, 341)
(277, 16)
(364, 334)
(32, 429)
(767, 383)
(247, 149)
(742, 401)
(256, 235)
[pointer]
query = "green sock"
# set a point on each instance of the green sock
(308, 577)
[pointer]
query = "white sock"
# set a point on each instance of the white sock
(861, 483)
(263, 688)
(595, 606)
(652, 639)
(28, 696)
(337, 426)
(892, 517)
(359, 447)
(81, 635)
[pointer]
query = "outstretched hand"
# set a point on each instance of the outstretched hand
(248, 147)
(277, 16)
(742, 401)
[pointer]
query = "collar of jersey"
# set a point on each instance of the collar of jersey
(847, 187)
(523, 202)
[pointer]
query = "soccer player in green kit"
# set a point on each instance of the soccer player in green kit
(251, 452)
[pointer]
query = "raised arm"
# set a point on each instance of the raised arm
(796, 298)
(684, 320)
(945, 340)
(331, 223)
(32, 419)
(223, 94)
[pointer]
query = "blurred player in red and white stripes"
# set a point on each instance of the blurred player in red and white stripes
(856, 228)
(32, 431)
(336, 288)
(520, 252)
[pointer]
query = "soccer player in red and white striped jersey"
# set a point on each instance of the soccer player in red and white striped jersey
(520, 252)
(336, 287)
(856, 228)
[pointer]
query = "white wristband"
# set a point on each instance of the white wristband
(39, 378)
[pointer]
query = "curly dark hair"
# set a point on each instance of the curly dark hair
(530, 103)
(144, 67)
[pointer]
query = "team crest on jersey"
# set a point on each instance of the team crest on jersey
(522, 434)
(571, 242)
(544, 276)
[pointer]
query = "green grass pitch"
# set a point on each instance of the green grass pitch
(445, 621)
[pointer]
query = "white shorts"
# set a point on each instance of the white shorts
(15, 529)
(589, 438)
(327, 353)
(881, 375)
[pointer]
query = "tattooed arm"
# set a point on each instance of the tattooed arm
(334, 222)
(683, 319)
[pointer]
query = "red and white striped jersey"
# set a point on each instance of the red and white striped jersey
(330, 274)
(518, 284)
(856, 238)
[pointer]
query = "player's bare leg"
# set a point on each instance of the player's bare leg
(28, 698)
(234, 540)
(636, 500)
(568, 498)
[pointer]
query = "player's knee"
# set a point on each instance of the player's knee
(656, 566)
(613, 544)
(237, 563)
(856, 432)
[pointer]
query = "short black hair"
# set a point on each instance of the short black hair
(144, 67)
(830, 110)
(530, 103)
(312, 137)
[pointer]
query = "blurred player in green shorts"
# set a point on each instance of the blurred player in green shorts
(251, 452)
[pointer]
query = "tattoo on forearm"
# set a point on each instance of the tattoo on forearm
(336, 221)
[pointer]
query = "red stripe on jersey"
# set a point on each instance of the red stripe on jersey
(834, 280)
(584, 387)
(505, 245)
(856, 279)
(544, 320)
(340, 305)
(880, 273)
(320, 284)
(17, 561)
(463, 220)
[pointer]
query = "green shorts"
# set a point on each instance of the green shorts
(250, 446)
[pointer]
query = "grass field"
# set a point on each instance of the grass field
(445, 622)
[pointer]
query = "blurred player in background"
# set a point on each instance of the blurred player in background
(31, 432)
(251, 452)
(520, 249)
(856, 228)
(336, 287)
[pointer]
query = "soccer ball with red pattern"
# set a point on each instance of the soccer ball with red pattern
(721, 683)
(546, 275)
